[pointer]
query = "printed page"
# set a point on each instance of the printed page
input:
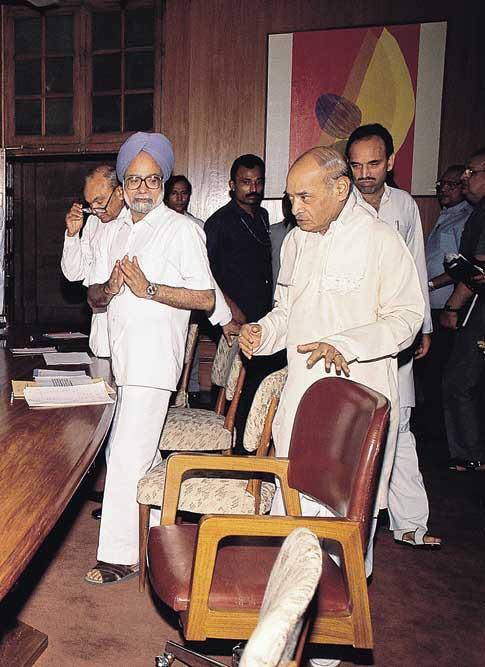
(62, 397)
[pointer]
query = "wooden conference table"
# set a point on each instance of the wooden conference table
(44, 455)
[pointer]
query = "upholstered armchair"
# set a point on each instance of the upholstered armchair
(279, 636)
(205, 493)
(215, 579)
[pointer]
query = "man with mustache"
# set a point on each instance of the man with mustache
(370, 151)
(239, 250)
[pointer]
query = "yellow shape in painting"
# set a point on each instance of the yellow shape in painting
(386, 95)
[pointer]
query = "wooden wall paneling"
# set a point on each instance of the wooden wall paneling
(429, 210)
(227, 75)
(176, 79)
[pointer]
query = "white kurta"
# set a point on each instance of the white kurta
(147, 338)
(399, 210)
(77, 257)
(355, 287)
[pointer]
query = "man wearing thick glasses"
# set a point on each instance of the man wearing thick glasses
(150, 271)
(443, 239)
(104, 197)
(463, 378)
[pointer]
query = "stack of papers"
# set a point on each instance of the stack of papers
(68, 358)
(67, 397)
(32, 350)
(49, 372)
(65, 335)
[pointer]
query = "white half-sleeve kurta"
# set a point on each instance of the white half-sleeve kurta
(355, 287)
(147, 338)
(76, 261)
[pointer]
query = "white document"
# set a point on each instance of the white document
(68, 358)
(48, 372)
(66, 397)
(32, 350)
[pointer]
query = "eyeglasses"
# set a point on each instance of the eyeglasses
(97, 210)
(452, 185)
(468, 173)
(153, 182)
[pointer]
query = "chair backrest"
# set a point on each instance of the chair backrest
(223, 360)
(291, 586)
(336, 447)
(181, 396)
(269, 389)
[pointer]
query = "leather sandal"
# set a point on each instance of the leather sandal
(110, 573)
(417, 541)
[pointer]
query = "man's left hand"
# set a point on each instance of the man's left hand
(423, 348)
(327, 352)
(134, 276)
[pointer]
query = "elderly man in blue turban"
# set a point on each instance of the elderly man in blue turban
(150, 271)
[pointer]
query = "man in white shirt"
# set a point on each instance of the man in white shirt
(347, 300)
(178, 191)
(370, 151)
(104, 195)
(150, 271)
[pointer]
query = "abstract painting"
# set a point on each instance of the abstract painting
(322, 84)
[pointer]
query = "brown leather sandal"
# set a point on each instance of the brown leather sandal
(110, 573)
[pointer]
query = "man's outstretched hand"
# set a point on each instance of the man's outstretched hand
(250, 339)
(327, 352)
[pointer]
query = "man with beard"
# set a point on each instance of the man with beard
(239, 250)
(370, 151)
(150, 271)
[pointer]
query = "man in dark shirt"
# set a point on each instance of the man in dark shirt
(239, 250)
(465, 369)
(239, 245)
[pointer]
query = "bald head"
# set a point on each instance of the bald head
(318, 185)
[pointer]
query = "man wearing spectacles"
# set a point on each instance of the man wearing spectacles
(104, 198)
(150, 270)
(443, 239)
(462, 381)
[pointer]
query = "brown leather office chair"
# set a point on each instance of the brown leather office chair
(216, 583)
(280, 635)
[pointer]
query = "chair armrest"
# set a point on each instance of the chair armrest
(212, 529)
(178, 464)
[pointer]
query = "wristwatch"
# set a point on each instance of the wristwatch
(431, 285)
(151, 290)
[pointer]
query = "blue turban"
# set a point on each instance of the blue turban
(153, 143)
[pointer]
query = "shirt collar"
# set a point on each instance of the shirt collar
(150, 218)
(457, 209)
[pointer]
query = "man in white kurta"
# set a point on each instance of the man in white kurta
(105, 198)
(150, 271)
(348, 295)
(371, 156)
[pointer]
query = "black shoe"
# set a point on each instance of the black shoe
(96, 514)
(194, 399)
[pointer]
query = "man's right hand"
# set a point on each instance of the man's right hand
(116, 280)
(250, 339)
(74, 219)
(230, 331)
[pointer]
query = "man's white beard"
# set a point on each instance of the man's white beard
(145, 206)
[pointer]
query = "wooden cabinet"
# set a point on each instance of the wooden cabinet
(81, 78)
